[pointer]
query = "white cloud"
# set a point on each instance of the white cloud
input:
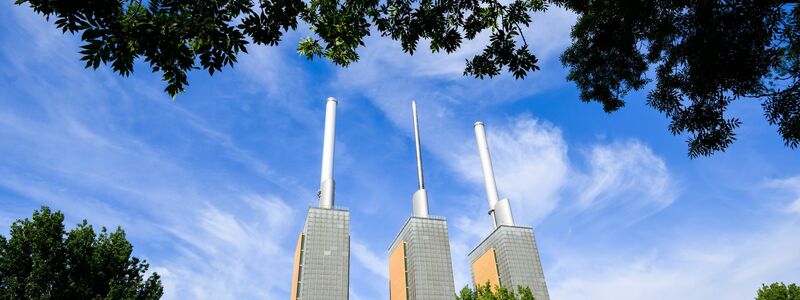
(719, 265)
(530, 161)
(375, 263)
(227, 256)
(621, 183)
(626, 180)
(280, 74)
(547, 37)
(794, 207)
(791, 187)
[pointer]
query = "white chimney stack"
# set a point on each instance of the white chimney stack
(500, 210)
(420, 198)
(326, 188)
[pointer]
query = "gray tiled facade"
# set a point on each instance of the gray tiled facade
(429, 265)
(325, 255)
(518, 260)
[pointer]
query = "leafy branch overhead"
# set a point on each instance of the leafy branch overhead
(704, 55)
(177, 36)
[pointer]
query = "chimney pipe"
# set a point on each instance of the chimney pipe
(326, 189)
(419, 200)
(500, 210)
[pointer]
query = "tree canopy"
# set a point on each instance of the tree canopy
(779, 291)
(702, 55)
(41, 261)
(706, 55)
(487, 292)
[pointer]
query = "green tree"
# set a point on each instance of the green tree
(706, 54)
(486, 292)
(779, 291)
(40, 260)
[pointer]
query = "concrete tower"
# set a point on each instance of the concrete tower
(419, 257)
(322, 257)
(508, 256)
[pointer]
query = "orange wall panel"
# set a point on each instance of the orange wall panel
(485, 269)
(397, 273)
(296, 268)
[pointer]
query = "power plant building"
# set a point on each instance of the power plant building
(322, 256)
(509, 256)
(420, 265)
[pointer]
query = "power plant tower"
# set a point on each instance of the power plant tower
(508, 256)
(322, 257)
(420, 267)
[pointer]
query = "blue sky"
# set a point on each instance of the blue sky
(212, 188)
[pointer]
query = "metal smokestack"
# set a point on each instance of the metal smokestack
(326, 188)
(486, 165)
(500, 210)
(420, 198)
(417, 143)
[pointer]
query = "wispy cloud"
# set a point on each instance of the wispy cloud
(794, 207)
(530, 161)
(618, 183)
(721, 265)
(790, 186)
(111, 180)
(547, 36)
(372, 261)
(226, 256)
(624, 179)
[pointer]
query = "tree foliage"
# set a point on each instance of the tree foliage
(40, 260)
(704, 54)
(779, 291)
(487, 292)
(176, 36)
